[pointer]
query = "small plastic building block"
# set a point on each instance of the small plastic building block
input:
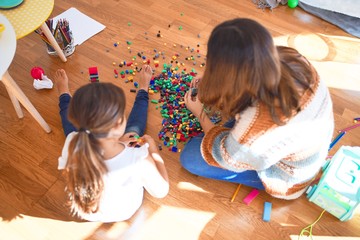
(116, 73)
(338, 191)
(93, 70)
(267, 211)
(194, 92)
(94, 76)
(251, 196)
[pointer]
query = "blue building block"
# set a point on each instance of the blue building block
(267, 211)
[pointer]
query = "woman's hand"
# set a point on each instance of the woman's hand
(193, 104)
(195, 81)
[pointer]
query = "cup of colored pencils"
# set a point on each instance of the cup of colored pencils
(63, 36)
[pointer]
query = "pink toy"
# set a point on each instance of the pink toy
(247, 200)
(37, 73)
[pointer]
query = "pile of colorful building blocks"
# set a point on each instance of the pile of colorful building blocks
(178, 123)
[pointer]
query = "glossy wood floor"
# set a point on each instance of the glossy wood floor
(31, 187)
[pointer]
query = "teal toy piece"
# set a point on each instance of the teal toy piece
(8, 4)
(338, 191)
(293, 3)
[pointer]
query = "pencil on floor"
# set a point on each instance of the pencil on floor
(349, 128)
(337, 138)
(235, 193)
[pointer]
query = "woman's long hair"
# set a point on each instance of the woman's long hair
(244, 67)
(94, 109)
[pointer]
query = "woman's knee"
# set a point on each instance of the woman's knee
(185, 158)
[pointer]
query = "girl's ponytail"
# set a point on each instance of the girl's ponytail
(94, 109)
(85, 168)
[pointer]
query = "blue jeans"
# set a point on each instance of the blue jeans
(136, 121)
(192, 160)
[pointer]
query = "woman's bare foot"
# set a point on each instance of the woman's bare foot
(145, 77)
(61, 81)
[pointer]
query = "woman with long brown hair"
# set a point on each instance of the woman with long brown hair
(279, 112)
(105, 176)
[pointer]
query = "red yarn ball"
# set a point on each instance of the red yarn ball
(37, 72)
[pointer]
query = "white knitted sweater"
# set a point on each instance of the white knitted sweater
(287, 158)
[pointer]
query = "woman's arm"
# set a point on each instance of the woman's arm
(196, 107)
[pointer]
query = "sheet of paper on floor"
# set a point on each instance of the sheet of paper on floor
(82, 26)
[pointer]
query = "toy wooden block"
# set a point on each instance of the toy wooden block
(251, 196)
(267, 211)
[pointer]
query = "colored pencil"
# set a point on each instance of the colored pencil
(349, 128)
(338, 137)
(235, 193)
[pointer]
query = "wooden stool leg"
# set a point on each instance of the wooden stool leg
(15, 102)
(45, 29)
(12, 87)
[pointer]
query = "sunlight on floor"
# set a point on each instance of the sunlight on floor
(296, 237)
(339, 75)
(337, 70)
(107, 231)
(166, 222)
(281, 40)
(321, 47)
(163, 224)
(313, 46)
(190, 187)
(288, 225)
(36, 228)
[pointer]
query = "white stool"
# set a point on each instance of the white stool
(17, 96)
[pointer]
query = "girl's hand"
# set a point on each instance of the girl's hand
(129, 139)
(152, 145)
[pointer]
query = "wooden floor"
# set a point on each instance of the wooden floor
(31, 187)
